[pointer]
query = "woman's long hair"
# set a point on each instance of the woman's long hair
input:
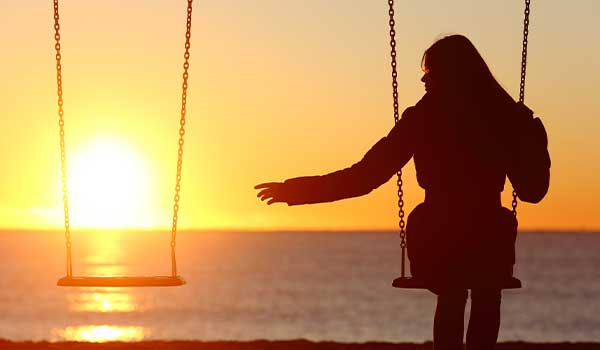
(465, 80)
(455, 63)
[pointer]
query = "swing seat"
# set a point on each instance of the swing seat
(415, 283)
(120, 281)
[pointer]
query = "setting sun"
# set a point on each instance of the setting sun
(109, 185)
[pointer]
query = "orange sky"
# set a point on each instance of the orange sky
(275, 92)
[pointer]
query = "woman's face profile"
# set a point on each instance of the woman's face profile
(430, 83)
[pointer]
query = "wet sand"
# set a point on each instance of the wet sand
(274, 345)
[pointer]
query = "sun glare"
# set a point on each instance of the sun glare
(101, 333)
(109, 186)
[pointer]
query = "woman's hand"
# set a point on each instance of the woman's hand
(272, 191)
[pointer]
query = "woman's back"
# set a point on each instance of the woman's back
(461, 154)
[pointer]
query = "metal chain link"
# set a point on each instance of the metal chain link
(522, 84)
(61, 124)
(401, 222)
(186, 65)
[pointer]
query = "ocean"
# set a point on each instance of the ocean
(276, 285)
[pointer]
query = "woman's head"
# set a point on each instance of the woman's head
(453, 64)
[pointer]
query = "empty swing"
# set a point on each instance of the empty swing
(71, 280)
(405, 281)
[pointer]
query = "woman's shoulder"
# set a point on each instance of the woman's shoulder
(421, 108)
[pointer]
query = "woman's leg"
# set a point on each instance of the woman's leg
(484, 322)
(448, 324)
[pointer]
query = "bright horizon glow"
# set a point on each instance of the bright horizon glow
(109, 186)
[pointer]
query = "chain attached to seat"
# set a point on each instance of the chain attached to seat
(61, 124)
(401, 223)
(522, 84)
(184, 87)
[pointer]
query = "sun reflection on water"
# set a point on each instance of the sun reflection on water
(106, 255)
(100, 333)
(107, 246)
(103, 302)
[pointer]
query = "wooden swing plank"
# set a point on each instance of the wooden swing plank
(414, 283)
(120, 281)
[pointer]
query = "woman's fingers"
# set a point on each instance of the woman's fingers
(267, 184)
(267, 196)
(270, 191)
(264, 192)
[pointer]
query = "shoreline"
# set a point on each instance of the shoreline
(274, 345)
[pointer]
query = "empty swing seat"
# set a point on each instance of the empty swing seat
(121, 281)
(415, 283)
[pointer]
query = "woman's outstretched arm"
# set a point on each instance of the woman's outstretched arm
(378, 165)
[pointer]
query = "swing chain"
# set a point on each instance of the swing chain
(524, 51)
(184, 87)
(522, 84)
(61, 124)
(401, 222)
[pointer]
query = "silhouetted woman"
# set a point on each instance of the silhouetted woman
(466, 135)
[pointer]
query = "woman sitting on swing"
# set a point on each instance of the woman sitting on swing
(466, 135)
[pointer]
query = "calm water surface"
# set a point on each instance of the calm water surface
(243, 286)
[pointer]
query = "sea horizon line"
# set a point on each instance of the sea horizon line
(311, 230)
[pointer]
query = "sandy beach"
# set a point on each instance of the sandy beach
(276, 345)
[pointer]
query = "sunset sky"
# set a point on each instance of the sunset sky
(277, 89)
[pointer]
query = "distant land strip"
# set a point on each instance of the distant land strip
(275, 345)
